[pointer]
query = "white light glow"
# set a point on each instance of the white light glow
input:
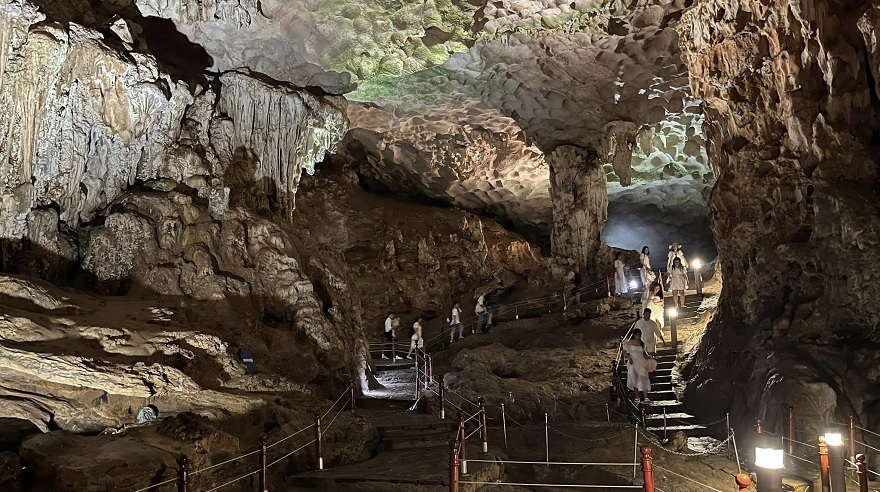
(633, 284)
(673, 313)
(697, 264)
(770, 459)
(833, 439)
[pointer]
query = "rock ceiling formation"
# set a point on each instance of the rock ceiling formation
(161, 150)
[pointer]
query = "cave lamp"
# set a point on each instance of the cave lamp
(769, 463)
(836, 460)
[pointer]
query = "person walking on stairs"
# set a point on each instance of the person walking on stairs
(391, 324)
(650, 330)
(652, 299)
(416, 340)
(455, 323)
(678, 276)
(637, 375)
(645, 271)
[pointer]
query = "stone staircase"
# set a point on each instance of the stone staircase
(413, 447)
(664, 413)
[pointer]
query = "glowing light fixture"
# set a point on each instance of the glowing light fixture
(633, 284)
(697, 264)
(673, 313)
(833, 439)
(770, 459)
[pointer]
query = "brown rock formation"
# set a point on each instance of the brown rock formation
(792, 118)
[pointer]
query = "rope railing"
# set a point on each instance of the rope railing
(183, 474)
(709, 487)
(523, 484)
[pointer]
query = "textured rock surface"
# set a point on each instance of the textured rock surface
(794, 210)
(580, 205)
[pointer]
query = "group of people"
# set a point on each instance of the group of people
(641, 346)
(483, 311)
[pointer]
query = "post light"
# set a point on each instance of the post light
(836, 461)
(673, 338)
(769, 462)
(633, 285)
(698, 276)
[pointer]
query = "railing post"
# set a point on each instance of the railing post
(430, 368)
(393, 349)
(484, 432)
(264, 475)
(547, 439)
(607, 413)
(462, 442)
(743, 482)
(351, 392)
(648, 469)
(418, 376)
(453, 467)
(852, 437)
(442, 397)
(608, 285)
(824, 469)
(642, 412)
(758, 428)
(862, 472)
(791, 437)
(182, 477)
(318, 452)
(504, 424)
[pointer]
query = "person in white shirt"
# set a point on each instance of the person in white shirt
(645, 271)
(391, 324)
(650, 331)
(675, 252)
(455, 323)
(416, 340)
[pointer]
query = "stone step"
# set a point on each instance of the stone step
(382, 365)
(669, 415)
(384, 403)
(661, 395)
(694, 430)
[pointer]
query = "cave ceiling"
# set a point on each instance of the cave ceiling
(459, 100)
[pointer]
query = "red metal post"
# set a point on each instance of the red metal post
(462, 442)
(824, 469)
(393, 349)
(484, 433)
(648, 469)
(318, 452)
(264, 475)
(182, 478)
(791, 437)
(862, 472)
(743, 482)
(453, 466)
(852, 437)
(442, 397)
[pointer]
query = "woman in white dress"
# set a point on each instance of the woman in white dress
(637, 376)
(675, 252)
(619, 276)
(678, 274)
(645, 271)
(653, 299)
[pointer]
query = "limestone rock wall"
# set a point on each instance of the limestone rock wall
(789, 92)
(580, 207)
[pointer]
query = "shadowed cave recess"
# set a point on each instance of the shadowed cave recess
(208, 209)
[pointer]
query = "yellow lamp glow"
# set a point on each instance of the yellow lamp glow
(833, 439)
(697, 264)
(673, 313)
(771, 459)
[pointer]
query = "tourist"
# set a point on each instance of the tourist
(637, 376)
(652, 298)
(675, 252)
(678, 275)
(480, 311)
(645, 271)
(455, 323)
(417, 342)
(391, 324)
(619, 276)
(650, 330)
